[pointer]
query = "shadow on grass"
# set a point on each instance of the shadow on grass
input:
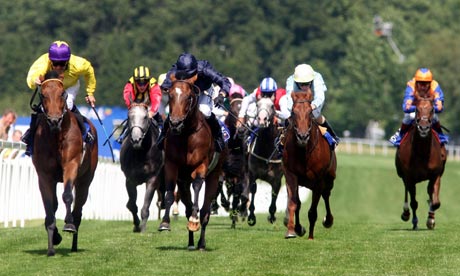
(59, 251)
(181, 248)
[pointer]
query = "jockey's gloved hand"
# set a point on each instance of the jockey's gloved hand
(219, 100)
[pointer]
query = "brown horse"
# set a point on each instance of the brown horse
(189, 156)
(59, 155)
(307, 161)
(420, 157)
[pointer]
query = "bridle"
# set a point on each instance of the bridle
(423, 124)
(178, 123)
(302, 138)
(54, 122)
(144, 129)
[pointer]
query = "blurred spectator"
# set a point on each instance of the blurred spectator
(17, 134)
(8, 118)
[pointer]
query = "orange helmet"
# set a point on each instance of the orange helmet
(423, 74)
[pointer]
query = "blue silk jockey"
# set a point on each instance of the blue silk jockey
(186, 67)
(424, 84)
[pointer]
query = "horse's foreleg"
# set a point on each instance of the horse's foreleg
(194, 220)
(169, 199)
(81, 195)
(406, 213)
(236, 191)
(414, 205)
(50, 203)
(131, 188)
(292, 206)
(434, 202)
(67, 197)
(313, 212)
(276, 186)
(149, 191)
(252, 189)
(329, 218)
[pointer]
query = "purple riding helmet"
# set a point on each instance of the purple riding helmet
(59, 51)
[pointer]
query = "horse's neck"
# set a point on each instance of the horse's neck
(421, 145)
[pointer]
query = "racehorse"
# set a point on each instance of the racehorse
(141, 161)
(235, 163)
(60, 155)
(420, 157)
(307, 161)
(190, 159)
(261, 164)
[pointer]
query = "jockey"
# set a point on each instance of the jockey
(139, 86)
(267, 89)
(186, 67)
(421, 83)
(304, 76)
(60, 59)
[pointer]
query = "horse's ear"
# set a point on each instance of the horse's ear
(193, 79)
(172, 77)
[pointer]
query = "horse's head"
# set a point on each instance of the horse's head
(183, 100)
(301, 116)
(138, 123)
(235, 103)
(424, 110)
(53, 98)
(265, 112)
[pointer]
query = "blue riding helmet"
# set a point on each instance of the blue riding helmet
(186, 66)
(268, 87)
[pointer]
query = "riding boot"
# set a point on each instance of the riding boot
(216, 132)
(158, 121)
(81, 123)
(161, 137)
(399, 134)
(331, 131)
(437, 127)
(28, 137)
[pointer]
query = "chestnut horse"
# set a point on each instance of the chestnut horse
(60, 155)
(308, 161)
(420, 157)
(190, 159)
(141, 161)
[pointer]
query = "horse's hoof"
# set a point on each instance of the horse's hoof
(271, 219)
(252, 220)
(300, 231)
(405, 216)
(136, 229)
(193, 226)
(164, 226)
(430, 223)
(328, 223)
(68, 227)
(191, 248)
(51, 252)
(57, 238)
(290, 235)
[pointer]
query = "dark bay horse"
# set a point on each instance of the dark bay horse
(235, 164)
(59, 155)
(261, 164)
(141, 161)
(189, 159)
(308, 161)
(420, 157)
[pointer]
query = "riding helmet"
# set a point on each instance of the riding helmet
(423, 74)
(141, 73)
(268, 85)
(303, 73)
(186, 66)
(59, 51)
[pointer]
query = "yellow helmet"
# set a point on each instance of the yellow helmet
(141, 73)
(161, 78)
(303, 73)
(423, 74)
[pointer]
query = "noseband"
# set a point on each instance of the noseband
(178, 123)
(302, 138)
(143, 129)
(423, 124)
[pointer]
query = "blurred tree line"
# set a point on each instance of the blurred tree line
(246, 40)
